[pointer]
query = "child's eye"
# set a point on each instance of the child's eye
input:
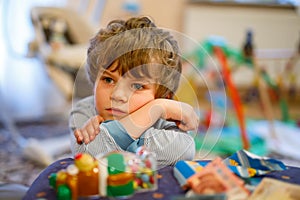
(137, 86)
(108, 80)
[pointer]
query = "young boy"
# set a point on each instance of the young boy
(135, 70)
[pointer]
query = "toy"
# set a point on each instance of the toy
(243, 164)
(217, 178)
(218, 48)
(116, 174)
(234, 95)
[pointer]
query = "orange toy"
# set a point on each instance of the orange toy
(233, 94)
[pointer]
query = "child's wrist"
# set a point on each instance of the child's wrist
(161, 107)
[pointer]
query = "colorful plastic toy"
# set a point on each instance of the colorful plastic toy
(218, 48)
(117, 174)
(234, 95)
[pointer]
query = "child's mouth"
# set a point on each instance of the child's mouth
(116, 112)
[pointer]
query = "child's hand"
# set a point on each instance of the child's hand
(89, 130)
(182, 113)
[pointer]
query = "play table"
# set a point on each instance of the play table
(168, 187)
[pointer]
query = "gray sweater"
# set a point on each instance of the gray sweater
(164, 139)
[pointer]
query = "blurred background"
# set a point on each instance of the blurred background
(43, 48)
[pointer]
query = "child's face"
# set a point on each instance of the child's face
(117, 96)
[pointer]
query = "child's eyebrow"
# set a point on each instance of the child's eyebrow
(144, 80)
(108, 73)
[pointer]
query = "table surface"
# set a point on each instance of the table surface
(168, 186)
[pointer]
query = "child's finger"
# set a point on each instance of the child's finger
(100, 119)
(182, 126)
(78, 136)
(91, 131)
(86, 137)
(95, 124)
(187, 126)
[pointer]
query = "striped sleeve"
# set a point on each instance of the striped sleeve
(169, 146)
(81, 112)
(102, 144)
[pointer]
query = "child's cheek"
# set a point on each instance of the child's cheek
(137, 101)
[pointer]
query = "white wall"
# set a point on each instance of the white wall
(273, 28)
(166, 13)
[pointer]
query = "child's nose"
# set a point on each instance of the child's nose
(119, 94)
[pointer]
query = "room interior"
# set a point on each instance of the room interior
(39, 82)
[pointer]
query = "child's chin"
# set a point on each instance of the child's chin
(115, 118)
(119, 117)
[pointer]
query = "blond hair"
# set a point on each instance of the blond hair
(132, 43)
